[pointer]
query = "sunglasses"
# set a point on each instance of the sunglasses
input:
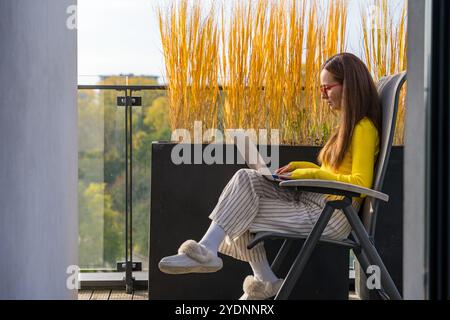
(324, 89)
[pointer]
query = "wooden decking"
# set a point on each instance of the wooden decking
(101, 294)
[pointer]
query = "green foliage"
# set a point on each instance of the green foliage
(101, 226)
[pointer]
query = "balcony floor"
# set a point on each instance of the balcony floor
(102, 294)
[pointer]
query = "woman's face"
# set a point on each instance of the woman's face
(331, 90)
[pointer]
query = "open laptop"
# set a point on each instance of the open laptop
(259, 165)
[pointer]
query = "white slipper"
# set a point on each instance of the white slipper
(192, 257)
(255, 289)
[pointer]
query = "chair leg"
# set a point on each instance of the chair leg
(282, 253)
(364, 264)
(305, 253)
(362, 258)
(371, 252)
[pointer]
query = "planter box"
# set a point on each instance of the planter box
(182, 197)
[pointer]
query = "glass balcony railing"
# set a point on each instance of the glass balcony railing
(101, 154)
(103, 197)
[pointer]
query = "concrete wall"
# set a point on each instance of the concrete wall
(414, 253)
(38, 157)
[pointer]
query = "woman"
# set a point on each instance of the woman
(250, 203)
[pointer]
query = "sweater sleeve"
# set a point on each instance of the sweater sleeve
(303, 165)
(364, 144)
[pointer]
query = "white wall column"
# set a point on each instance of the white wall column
(38, 157)
(414, 238)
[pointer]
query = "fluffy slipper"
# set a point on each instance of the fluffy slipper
(192, 257)
(255, 289)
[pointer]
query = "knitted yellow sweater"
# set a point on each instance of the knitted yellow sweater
(358, 164)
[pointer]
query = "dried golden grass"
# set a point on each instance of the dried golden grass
(267, 55)
(190, 45)
(385, 48)
(284, 49)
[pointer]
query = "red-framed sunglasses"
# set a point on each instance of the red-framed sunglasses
(324, 89)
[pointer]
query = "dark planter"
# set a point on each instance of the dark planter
(182, 197)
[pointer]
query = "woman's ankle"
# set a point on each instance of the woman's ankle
(213, 249)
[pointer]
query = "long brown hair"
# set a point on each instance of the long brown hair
(359, 99)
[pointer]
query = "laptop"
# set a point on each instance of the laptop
(258, 165)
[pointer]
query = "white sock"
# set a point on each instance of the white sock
(263, 272)
(213, 237)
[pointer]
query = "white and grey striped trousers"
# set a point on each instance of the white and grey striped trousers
(250, 203)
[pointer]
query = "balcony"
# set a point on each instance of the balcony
(39, 160)
(114, 184)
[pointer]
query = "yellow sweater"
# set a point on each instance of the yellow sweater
(358, 164)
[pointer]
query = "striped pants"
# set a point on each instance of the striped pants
(250, 203)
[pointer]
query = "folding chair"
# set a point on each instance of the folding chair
(363, 226)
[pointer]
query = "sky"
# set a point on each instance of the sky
(122, 37)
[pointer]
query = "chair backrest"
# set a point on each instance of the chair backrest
(389, 91)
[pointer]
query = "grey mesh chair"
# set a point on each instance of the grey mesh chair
(363, 225)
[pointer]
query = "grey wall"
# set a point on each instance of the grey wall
(414, 253)
(38, 156)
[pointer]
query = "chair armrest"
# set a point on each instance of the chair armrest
(336, 186)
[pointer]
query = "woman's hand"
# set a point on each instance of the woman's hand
(285, 176)
(300, 174)
(284, 170)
